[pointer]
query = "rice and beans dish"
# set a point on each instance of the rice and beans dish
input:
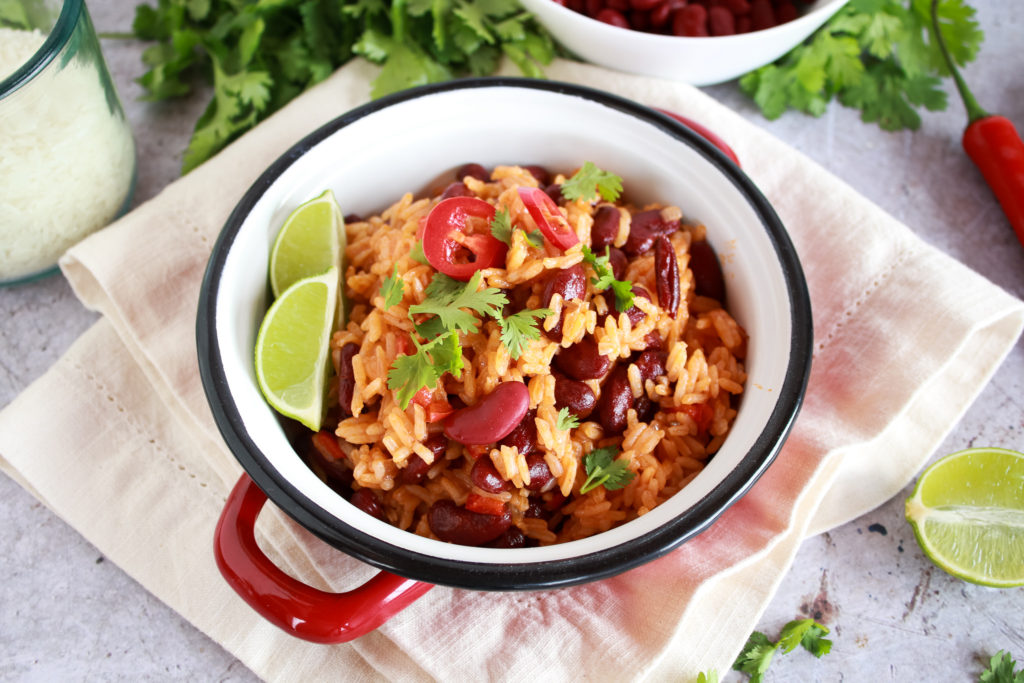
(528, 359)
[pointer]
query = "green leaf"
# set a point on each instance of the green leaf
(416, 253)
(535, 238)
(501, 227)
(604, 470)
(755, 657)
(589, 182)
(1001, 669)
(605, 279)
(566, 420)
(448, 304)
(391, 289)
(13, 14)
(519, 328)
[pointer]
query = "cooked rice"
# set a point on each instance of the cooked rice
(696, 397)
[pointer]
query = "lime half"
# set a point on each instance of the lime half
(311, 240)
(293, 348)
(967, 513)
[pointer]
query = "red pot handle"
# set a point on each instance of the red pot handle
(289, 604)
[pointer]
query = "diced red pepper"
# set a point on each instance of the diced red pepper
(484, 505)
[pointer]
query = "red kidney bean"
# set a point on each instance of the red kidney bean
(707, 271)
(454, 524)
(785, 11)
(536, 510)
(512, 538)
(491, 418)
(353, 218)
(540, 475)
(761, 15)
(574, 395)
(644, 227)
(367, 501)
(414, 472)
(456, 189)
(485, 476)
(541, 174)
(605, 228)
(653, 341)
(645, 409)
(475, 170)
(593, 7)
(690, 21)
(554, 191)
(737, 7)
(524, 437)
(666, 275)
(616, 400)
(743, 23)
(639, 20)
(620, 5)
(721, 21)
(634, 313)
(582, 360)
(651, 364)
(612, 17)
(644, 5)
(662, 12)
(346, 377)
(571, 283)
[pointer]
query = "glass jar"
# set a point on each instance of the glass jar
(67, 157)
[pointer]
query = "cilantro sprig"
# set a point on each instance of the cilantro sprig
(604, 470)
(1001, 669)
(757, 654)
(391, 289)
(873, 55)
(260, 55)
(589, 182)
(566, 420)
(451, 307)
(605, 278)
(501, 229)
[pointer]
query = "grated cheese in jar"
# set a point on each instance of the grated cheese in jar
(67, 158)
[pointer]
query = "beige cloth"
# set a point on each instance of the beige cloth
(117, 439)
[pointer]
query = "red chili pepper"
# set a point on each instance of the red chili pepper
(992, 143)
(460, 258)
(548, 217)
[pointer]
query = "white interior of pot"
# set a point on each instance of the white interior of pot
(370, 163)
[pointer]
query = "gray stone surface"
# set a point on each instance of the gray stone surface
(67, 614)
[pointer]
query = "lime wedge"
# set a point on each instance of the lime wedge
(293, 347)
(311, 240)
(967, 512)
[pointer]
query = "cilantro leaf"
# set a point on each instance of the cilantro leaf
(566, 420)
(1001, 669)
(605, 278)
(756, 655)
(535, 238)
(518, 328)
(589, 182)
(450, 308)
(410, 373)
(259, 54)
(604, 470)
(417, 255)
(707, 677)
(877, 56)
(391, 289)
(501, 227)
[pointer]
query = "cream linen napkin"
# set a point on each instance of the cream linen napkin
(116, 438)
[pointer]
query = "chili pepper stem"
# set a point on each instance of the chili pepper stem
(974, 110)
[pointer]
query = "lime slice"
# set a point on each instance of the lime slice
(968, 515)
(311, 240)
(293, 345)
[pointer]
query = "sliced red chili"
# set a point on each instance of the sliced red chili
(484, 505)
(548, 217)
(475, 250)
(327, 444)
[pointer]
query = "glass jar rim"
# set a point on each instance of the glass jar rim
(58, 37)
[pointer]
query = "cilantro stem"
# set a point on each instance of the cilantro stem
(398, 20)
(974, 110)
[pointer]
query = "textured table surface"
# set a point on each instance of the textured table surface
(67, 614)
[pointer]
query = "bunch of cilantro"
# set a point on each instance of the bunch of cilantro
(259, 54)
(877, 56)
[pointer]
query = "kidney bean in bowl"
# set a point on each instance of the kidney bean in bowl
(371, 154)
(701, 42)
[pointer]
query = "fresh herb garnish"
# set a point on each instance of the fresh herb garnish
(604, 470)
(391, 289)
(622, 289)
(535, 238)
(501, 226)
(260, 55)
(417, 255)
(873, 55)
(589, 182)
(410, 373)
(1001, 669)
(710, 676)
(447, 297)
(566, 420)
(519, 328)
(757, 653)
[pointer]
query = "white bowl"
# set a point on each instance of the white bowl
(698, 61)
(374, 154)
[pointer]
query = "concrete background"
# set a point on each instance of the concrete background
(67, 614)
